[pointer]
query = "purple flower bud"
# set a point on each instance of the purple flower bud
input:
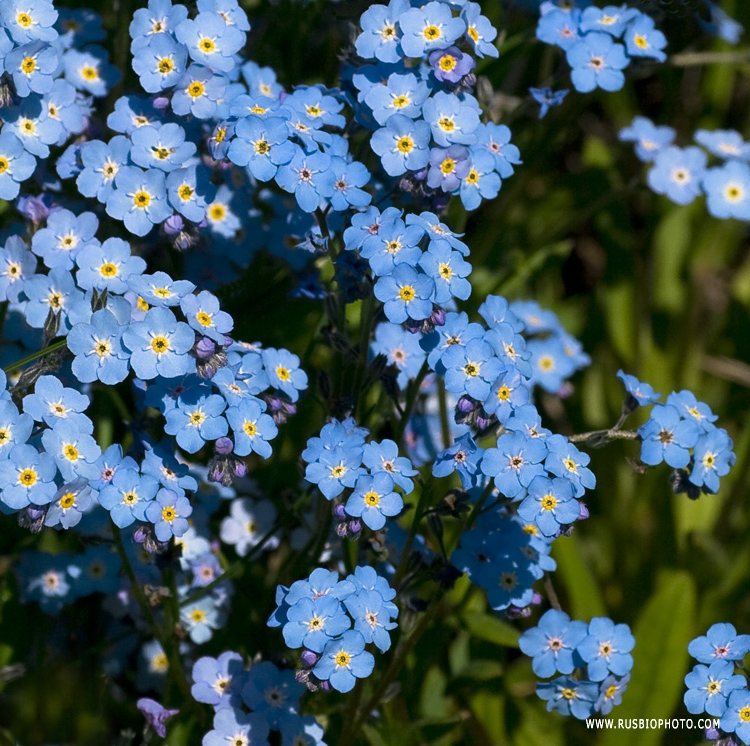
(224, 446)
(274, 403)
(160, 102)
(482, 422)
(413, 326)
(35, 208)
(289, 409)
(326, 686)
(355, 528)
(420, 175)
(309, 658)
(140, 535)
(712, 734)
(584, 511)
(438, 316)
(239, 468)
(155, 715)
(173, 225)
(465, 405)
(339, 513)
(205, 347)
(341, 529)
(565, 390)
(536, 599)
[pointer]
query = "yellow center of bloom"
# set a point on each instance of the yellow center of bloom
(445, 271)
(570, 465)
(549, 502)
(197, 418)
(195, 89)
(448, 166)
(217, 212)
(110, 170)
(315, 623)
(405, 144)
(372, 499)
(407, 293)
(165, 65)
(547, 362)
(159, 345)
(388, 32)
(24, 19)
(503, 393)
(204, 319)
(67, 501)
(447, 62)
(611, 691)
(197, 615)
(70, 452)
(90, 73)
(258, 110)
(130, 498)
(471, 369)
(342, 658)
(568, 693)
(262, 147)
(283, 373)
(250, 429)
(169, 514)
(472, 177)
(714, 687)
(734, 193)
(338, 471)
(447, 124)
(431, 33)
(206, 45)
(103, 347)
(314, 111)
(55, 300)
(680, 175)
(28, 65)
(640, 41)
(185, 192)
(709, 460)
(4, 435)
(160, 662)
(108, 270)
(142, 305)
(745, 714)
(27, 477)
(142, 199)
(3, 164)
(393, 247)
(400, 101)
(220, 135)
(472, 32)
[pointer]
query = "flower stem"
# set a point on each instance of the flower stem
(35, 356)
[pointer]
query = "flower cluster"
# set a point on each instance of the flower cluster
(682, 174)
(588, 39)
(333, 620)
(599, 652)
(715, 688)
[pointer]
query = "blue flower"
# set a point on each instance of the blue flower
(689, 407)
(610, 693)
(549, 505)
(344, 182)
(597, 61)
(514, 462)
(667, 438)
(448, 167)
(569, 697)
(27, 477)
(271, 693)
(32, 67)
(403, 94)
(392, 244)
(383, 458)
(312, 623)
(728, 190)
(643, 40)
(204, 314)
(450, 65)
(565, 460)
(160, 17)
(400, 348)
(374, 500)
(262, 145)
(159, 289)
(736, 719)
(479, 31)
(27, 20)
(372, 617)
(495, 139)
(159, 345)
(709, 687)
(252, 428)
(641, 393)
(162, 147)
(471, 369)
(448, 270)
(64, 237)
(402, 144)
(405, 294)
(610, 19)
(451, 120)
(189, 190)
(678, 173)
(218, 681)
(721, 642)
(464, 456)
(160, 63)
(481, 182)
(200, 618)
(15, 428)
(303, 177)
(139, 199)
(127, 496)
(108, 266)
(17, 264)
(429, 27)
(75, 452)
(89, 70)
(71, 501)
(547, 98)
(55, 293)
(713, 457)
(509, 392)
(335, 469)
(195, 422)
(724, 143)
(169, 512)
(197, 92)
(345, 660)
(51, 403)
(380, 34)
(559, 27)
(132, 113)
(101, 162)
(552, 643)
(33, 126)
(284, 373)
(16, 165)
(606, 648)
(210, 40)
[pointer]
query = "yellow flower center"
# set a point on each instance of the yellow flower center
(3, 164)
(372, 499)
(70, 452)
(471, 369)
(640, 41)
(142, 199)
(547, 362)
(400, 101)
(166, 65)
(197, 615)
(431, 33)
(472, 32)
(282, 373)
(734, 193)
(169, 514)
(108, 269)
(186, 192)
(67, 501)
(250, 429)
(28, 65)
(90, 73)
(745, 714)
(204, 319)
(103, 347)
(472, 177)
(314, 111)
(503, 393)
(195, 89)
(407, 293)
(447, 124)
(24, 19)
(445, 271)
(338, 471)
(159, 345)
(448, 166)
(549, 502)
(206, 45)
(217, 212)
(130, 498)
(27, 477)
(568, 693)
(342, 658)
(405, 144)
(197, 418)
(447, 62)
(262, 147)
(611, 691)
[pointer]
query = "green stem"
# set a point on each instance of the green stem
(411, 400)
(605, 435)
(35, 356)
(693, 59)
(424, 496)
(444, 421)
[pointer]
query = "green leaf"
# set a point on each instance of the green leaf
(492, 629)
(585, 597)
(662, 634)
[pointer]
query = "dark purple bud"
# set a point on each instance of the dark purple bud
(355, 528)
(482, 423)
(339, 513)
(342, 529)
(536, 599)
(160, 102)
(173, 225)
(438, 316)
(239, 469)
(156, 715)
(205, 347)
(274, 403)
(35, 208)
(140, 535)
(413, 326)
(465, 405)
(309, 658)
(216, 472)
(584, 511)
(421, 175)
(326, 686)
(32, 518)
(224, 446)
(289, 409)
(303, 677)
(712, 734)
(565, 390)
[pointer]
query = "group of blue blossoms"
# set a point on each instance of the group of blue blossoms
(186, 159)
